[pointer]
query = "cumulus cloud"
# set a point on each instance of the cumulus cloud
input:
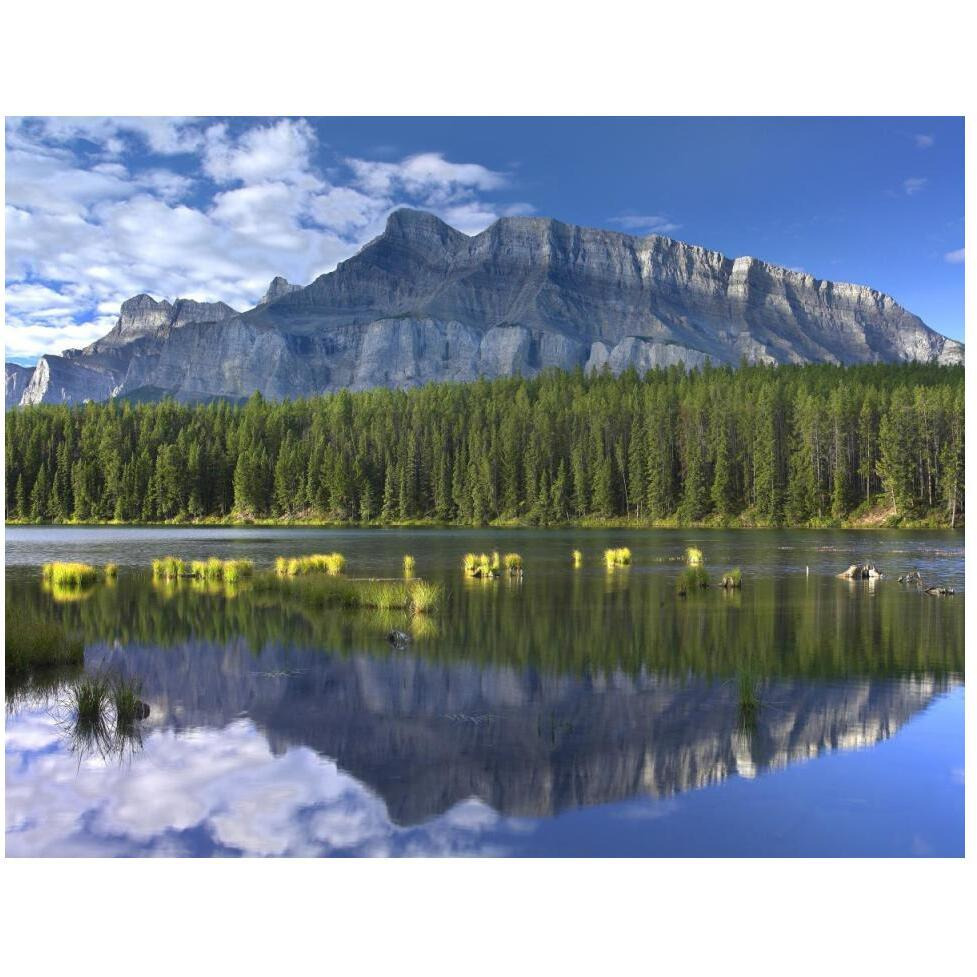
(923, 141)
(226, 786)
(913, 185)
(101, 209)
(645, 224)
(955, 257)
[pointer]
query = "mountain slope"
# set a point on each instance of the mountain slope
(425, 302)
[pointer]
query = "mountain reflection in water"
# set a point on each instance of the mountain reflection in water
(279, 729)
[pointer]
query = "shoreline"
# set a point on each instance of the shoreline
(610, 524)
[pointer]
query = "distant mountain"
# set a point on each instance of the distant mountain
(425, 302)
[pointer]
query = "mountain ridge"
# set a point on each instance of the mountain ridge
(423, 301)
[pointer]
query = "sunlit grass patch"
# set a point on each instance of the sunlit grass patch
(328, 563)
(169, 568)
(482, 565)
(576, 558)
(69, 574)
(693, 556)
(512, 563)
(111, 570)
(425, 597)
(619, 557)
(409, 565)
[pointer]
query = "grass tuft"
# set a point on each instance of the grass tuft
(69, 574)
(620, 557)
(482, 565)
(169, 568)
(111, 571)
(693, 556)
(576, 557)
(732, 579)
(409, 565)
(691, 579)
(332, 564)
(512, 563)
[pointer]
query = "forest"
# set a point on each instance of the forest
(751, 446)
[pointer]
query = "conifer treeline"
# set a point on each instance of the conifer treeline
(754, 445)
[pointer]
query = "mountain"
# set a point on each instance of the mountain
(425, 302)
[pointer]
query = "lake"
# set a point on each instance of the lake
(569, 712)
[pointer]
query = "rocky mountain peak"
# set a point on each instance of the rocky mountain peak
(279, 286)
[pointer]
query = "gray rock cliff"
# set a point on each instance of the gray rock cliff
(425, 302)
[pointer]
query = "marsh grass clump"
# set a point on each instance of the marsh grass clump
(169, 568)
(235, 570)
(513, 564)
(69, 574)
(732, 579)
(749, 701)
(693, 556)
(576, 558)
(408, 565)
(127, 705)
(332, 564)
(90, 697)
(33, 643)
(425, 597)
(482, 565)
(691, 579)
(111, 571)
(619, 557)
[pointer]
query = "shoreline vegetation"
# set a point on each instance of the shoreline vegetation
(753, 447)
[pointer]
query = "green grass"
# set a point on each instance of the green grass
(749, 701)
(691, 579)
(126, 702)
(482, 565)
(69, 574)
(332, 564)
(619, 557)
(693, 556)
(33, 643)
(732, 578)
(512, 563)
(409, 565)
(425, 597)
(169, 568)
(576, 557)
(90, 697)
(111, 571)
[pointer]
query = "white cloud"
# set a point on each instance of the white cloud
(649, 224)
(914, 184)
(98, 221)
(955, 257)
(428, 176)
(923, 141)
(280, 152)
(226, 785)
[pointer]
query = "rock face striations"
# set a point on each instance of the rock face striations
(425, 302)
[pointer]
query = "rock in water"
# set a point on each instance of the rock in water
(424, 302)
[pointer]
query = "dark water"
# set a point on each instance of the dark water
(577, 712)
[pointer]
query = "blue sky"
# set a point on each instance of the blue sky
(104, 208)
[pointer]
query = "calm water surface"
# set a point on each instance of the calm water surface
(577, 712)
